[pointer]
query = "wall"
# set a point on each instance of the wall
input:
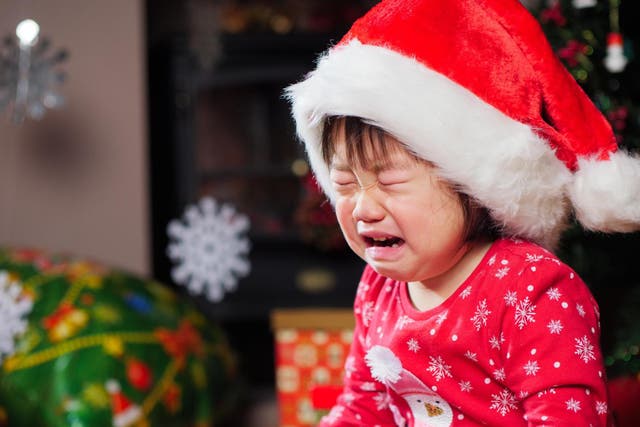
(76, 181)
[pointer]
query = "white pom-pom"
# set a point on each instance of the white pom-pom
(384, 364)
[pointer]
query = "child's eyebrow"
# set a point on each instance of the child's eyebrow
(341, 167)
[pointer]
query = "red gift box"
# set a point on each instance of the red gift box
(311, 348)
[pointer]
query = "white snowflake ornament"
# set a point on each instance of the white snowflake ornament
(209, 248)
(14, 307)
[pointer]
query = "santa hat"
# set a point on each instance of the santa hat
(386, 368)
(125, 413)
(474, 87)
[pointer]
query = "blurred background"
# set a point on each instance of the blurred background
(142, 109)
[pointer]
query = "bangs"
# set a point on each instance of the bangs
(365, 144)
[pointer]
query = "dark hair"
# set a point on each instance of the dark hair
(366, 142)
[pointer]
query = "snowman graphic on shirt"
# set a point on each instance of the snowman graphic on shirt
(427, 407)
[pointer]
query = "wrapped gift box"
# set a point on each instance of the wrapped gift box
(311, 348)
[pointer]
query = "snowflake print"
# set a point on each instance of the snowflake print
(471, 356)
(466, 292)
(209, 248)
(580, 309)
(479, 318)
(503, 403)
(555, 326)
(533, 258)
(438, 368)
(465, 386)
(554, 294)
(368, 310)
(363, 288)
(510, 298)
(601, 408)
(382, 401)
(492, 260)
(525, 313)
(502, 272)
(413, 345)
(584, 349)
(496, 342)
(531, 368)
(499, 374)
(368, 386)
(335, 415)
(403, 321)
(441, 318)
(573, 405)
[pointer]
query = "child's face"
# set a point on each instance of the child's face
(401, 219)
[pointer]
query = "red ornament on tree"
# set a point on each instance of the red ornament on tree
(139, 374)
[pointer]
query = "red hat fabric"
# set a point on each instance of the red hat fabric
(474, 87)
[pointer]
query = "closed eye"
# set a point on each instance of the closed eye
(343, 179)
(394, 177)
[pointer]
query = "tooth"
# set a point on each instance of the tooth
(395, 245)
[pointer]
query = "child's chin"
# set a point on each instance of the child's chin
(390, 273)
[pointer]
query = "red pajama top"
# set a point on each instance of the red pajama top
(517, 344)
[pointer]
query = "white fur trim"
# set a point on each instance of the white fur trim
(606, 193)
(384, 364)
(492, 157)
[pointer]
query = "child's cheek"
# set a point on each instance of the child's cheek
(344, 213)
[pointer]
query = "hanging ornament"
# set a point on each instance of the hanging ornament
(28, 74)
(139, 374)
(615, 61)
(125, 413)
(209, 248)
(66, 321)
(14, 306)
(583, 4)
(553, 13)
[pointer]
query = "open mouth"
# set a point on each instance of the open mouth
(387, 242)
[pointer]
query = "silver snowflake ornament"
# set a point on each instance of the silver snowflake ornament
(209, 248)
(29, 73)
(15, 305)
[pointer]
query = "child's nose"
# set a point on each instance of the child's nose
(368, 207)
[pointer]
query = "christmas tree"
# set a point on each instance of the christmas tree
(594, 40)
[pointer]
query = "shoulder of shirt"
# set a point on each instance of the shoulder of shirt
(525, 253)
(513, 263)
(533, 265)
